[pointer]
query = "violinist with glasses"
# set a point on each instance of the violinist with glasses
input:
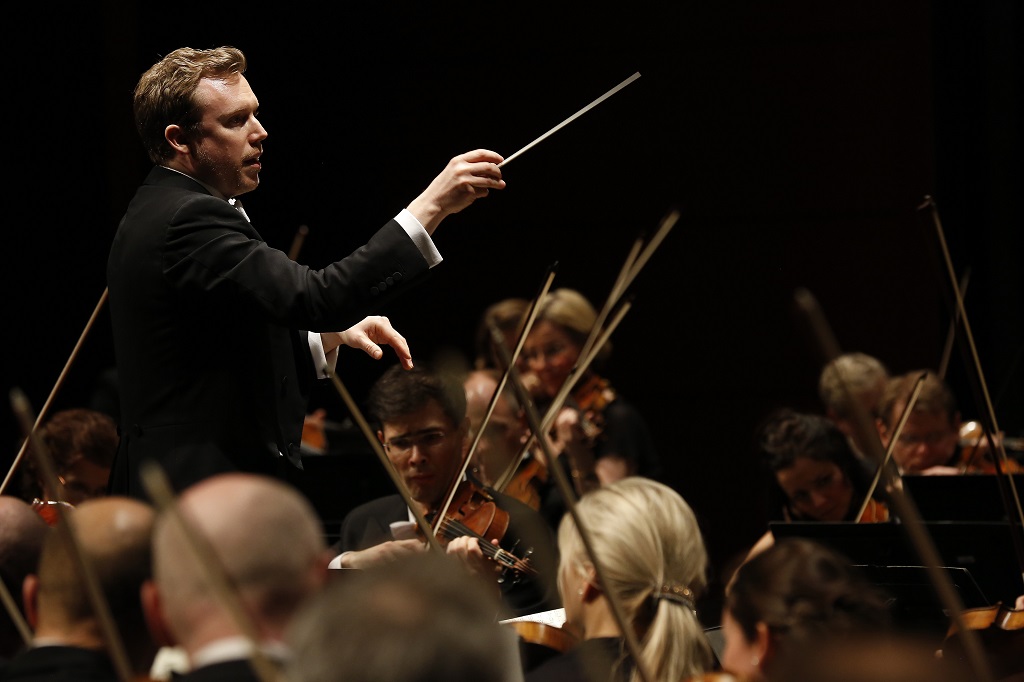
(83, 443)
(421, 421)
(930, 440)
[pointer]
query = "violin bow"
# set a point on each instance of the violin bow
(947, 349)
(978, 384)
(56, 387)
(378, 449)
(635, 262)
(11, 607)
(905, 507)
(907, 409)
(570, 382)
(570, 503)
(525, 325)
(159, 490)
(66, 528)
(636, 259)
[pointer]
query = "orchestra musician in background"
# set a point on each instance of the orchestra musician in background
(651, 549)
(784, 599)
(82, 443)
(849, 379)
(420, 415)
(813, 473)
(930, 442)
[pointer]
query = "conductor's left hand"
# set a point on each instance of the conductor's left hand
(375, 330)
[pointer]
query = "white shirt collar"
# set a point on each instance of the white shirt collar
(235, 648)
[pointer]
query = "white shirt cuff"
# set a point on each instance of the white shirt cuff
(419, 237)
(336, 562)
(325, 363)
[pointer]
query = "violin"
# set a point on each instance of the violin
(590, 399)
(526, 483)
(474, 512)
(875, 512)
(50, 510)
(1001, 630)
(977, 457)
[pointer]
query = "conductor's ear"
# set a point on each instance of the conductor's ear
(176, 137)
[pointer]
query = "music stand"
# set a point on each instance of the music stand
(913, 603)
(981, 549)
(971, 497)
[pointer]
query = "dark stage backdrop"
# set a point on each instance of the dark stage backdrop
(795, 138)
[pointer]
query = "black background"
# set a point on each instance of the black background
(796, 139)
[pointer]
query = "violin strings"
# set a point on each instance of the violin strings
(453, 529)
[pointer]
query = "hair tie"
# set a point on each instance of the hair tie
(677, 593)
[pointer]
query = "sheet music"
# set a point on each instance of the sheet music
(554, 617)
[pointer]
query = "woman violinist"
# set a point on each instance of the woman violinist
(813, 474)
(649, 543)
(599, 436)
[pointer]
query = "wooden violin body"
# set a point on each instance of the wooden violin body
(1001, 631)
(474, 513)
(526, 484)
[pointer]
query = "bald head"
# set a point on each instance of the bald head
(267, 538)
(505, 429)
(22, 531)
(115, 535)
(21, 539)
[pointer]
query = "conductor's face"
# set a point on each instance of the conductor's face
(426, 449)
(227, 153)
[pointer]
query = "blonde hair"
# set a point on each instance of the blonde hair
(649, 543)
(570, 310)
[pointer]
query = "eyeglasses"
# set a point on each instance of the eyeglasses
(912, 440)
(428, 440)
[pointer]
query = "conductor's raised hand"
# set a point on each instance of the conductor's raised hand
(465, 179)
(374, 330)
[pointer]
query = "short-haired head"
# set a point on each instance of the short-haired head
(935, 397)
(418, 619)
(852, 377)
(399, 392)
(165, 94)
(76, 437)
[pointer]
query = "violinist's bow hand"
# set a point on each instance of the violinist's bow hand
(384, 553)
